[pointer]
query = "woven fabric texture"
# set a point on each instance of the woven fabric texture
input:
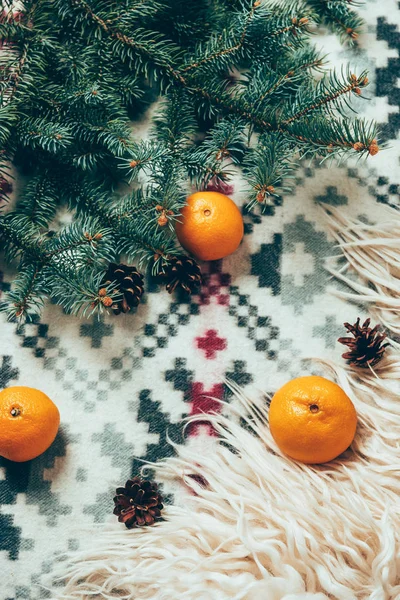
(124, 383)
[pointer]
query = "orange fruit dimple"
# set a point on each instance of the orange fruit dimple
(312, 420)
(211, 226)
(29, 422)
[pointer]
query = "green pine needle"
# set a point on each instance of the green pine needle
(235, 84)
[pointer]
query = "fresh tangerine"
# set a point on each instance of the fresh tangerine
(312, 419)
(211, 226)
(29, 422)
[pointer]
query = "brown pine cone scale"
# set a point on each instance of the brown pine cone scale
(182, 272)
(138, 503)
(366, 347)
(128, 282)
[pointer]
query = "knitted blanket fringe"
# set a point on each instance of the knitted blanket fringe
(263, 527)
(372, 253)
(257, 525)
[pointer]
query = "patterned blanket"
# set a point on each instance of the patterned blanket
(124, 383)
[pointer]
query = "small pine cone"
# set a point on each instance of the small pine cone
(182, 271)
(373, 148)
(366, 347)
(162, 220)
(129, 282)
(353, 34)
(260, 196)
(107, 301)
(138, 503)
(358, 146)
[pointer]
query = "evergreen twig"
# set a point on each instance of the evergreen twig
(238, 88)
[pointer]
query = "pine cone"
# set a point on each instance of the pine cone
(138, 503)
(366, 347)
(129, 282)
(182, 271)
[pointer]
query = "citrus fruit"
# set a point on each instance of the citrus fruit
(211, 226)
(29, 422)
(312, 420)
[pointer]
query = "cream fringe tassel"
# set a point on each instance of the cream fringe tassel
(265, 527)
(373, 253)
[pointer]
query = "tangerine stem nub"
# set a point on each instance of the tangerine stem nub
(314, 408)
(15, 412)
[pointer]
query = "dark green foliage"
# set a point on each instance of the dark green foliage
(238, 87)
(339, 16)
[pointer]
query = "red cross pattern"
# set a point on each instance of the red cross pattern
(211, 343)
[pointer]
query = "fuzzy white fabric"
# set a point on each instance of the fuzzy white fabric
(372, 252)
(265, 527)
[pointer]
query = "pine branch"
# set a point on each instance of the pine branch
(267, 169)
(237, 84)
(327, 95)
(227, 51)
(79, 295)
(143, 42)
(39, 200)
(133, 235)
(333, 137)
(340, 17)
(80, 246)
(221, 100)
(26, 298)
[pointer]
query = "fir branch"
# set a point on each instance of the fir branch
(142, 8)
(147, 46)
(237, 86)
(142, 157)
(329, 94)
(231, 49)
(275, 85)
(133, 236)
(78, 247)
(175, 124)
(224, 147)
(227, 103)
(26, 298)
(39, 200)
(18, 71)
(15, 75)
(231, 105)
(19, 237)
(333, 137)
(70, 248)
(295, 25)
(79, 294)
(339, 16)
(47, 135)
(267, 169)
